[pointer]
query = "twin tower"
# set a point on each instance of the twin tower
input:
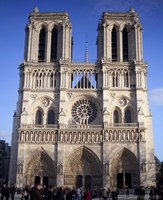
(83, 124)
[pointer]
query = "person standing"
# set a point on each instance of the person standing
(35, 193)
(7, 193)
(87, 195)
(13, 190)
(50, 194)
(3, 191)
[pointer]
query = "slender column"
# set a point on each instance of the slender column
(77, 79)
(29, 43)
(106, 78)
(120, 46)
(48, 46)
(136, 42)
(87, 78)
(109, 43)
(53, 78)
(25, 80)
(32, 78)
(104, 41)
(129, 75)
(141, 43)
(70, 42)
(91, 78)
(84, 80)
(63, 44)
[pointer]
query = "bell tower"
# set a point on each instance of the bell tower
(48, 37)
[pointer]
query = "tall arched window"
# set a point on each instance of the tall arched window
(125, 44)
(51, 117)
(127, 116)
(116, 116)
(114, 45)
(39, 117)
(54, 45)
(126, 79)
(41, 50)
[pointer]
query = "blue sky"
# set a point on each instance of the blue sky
(84, 15)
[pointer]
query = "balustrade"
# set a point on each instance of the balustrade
(81, 136)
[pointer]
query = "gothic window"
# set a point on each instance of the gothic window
(41, 48)
(125, 44)
(115, 79)
(114, 45)
(116, 116)
(127, 116)
(39, 117)
(51, 80)
(54, 45)
(37, 80)
(126, 83)
(51, 117)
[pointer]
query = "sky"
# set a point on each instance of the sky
(84, 15)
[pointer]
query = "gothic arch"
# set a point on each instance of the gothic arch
(40, 164)
(129, 111)
(81, 161)
(124, 162)
(80, 164)
(117, 115)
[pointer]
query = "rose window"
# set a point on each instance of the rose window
(84, 111)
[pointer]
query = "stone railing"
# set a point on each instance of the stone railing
(78, 126)
(60, 126)
(39, 126)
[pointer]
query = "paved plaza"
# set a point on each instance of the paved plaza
(121, 197)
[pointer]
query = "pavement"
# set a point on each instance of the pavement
(120, 197)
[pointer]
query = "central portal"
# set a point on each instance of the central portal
(85, 181)
(83, 169)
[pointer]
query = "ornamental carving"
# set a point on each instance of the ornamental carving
(33, 96)
(122, 102)
(45, 102)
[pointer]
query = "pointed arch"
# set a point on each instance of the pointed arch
(125, 44)
(40, 165)
(51, 117)
(117, 115)
(124, 169)
(54, 45)
(80, 163)
(39, 117)
(128, 116)
(41, 48)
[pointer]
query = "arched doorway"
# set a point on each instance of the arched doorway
(83, 169)
(124, 170)
(40, 169)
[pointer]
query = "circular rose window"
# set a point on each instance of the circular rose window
(84, 111)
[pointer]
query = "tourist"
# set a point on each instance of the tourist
(35, 193)
(3, 190)
(50, 194)
(87, 195)
(13, 190)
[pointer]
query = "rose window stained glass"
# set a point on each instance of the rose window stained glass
(84, 111)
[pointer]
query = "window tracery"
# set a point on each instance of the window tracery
(84, 111)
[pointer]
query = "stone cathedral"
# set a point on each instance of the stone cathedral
(83, 124)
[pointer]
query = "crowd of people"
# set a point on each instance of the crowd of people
(38, 192)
